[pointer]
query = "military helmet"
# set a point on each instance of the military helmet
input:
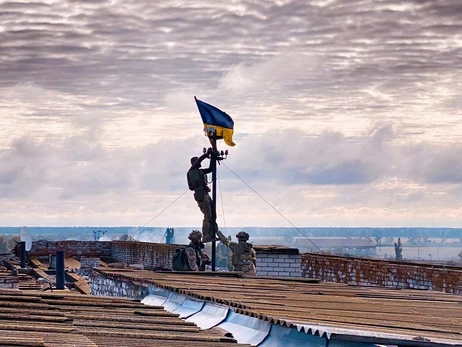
(195, 235)
(242, 236)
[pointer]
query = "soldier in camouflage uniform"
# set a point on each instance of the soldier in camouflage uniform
(197, 181)
(244, 257)
(196, 259)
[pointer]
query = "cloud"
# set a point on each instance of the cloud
(275, 73)
(434, 165)
(290, 157)
(300, 174)
(81, 165)
(23, 169)
(357, 102)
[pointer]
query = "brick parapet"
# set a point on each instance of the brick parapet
(86, 262)
(271, 260)
(75, 249)
(150, 255)
(280, 264)
(105, 286)
(378, 273)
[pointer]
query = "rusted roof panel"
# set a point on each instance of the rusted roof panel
(408, 313)
(20, 281)
(62, 319)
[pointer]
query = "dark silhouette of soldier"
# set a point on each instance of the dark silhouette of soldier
(197, 182)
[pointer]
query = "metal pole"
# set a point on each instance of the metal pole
(23, 254)
(60, 270)
(213, 164)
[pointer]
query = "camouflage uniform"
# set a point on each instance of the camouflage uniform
(244, 257)
(208, 229)
(197, 181)
(194, 252)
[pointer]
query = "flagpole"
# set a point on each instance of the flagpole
(213, 164)
(214, 119)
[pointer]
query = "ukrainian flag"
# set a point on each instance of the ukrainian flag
(218, 120)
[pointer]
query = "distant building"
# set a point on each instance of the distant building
(341, 246)
(334, 245)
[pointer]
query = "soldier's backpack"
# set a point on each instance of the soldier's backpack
(195, 179)
(179, 261)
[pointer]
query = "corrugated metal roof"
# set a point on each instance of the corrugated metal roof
(62, 319)
(323, 308)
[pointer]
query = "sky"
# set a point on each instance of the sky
(346, 112)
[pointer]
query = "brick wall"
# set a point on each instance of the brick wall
(151, 255)
(374, 272)
(278, 261)
(72, 248)
(105, 286)
(271, 260)
(89, 262)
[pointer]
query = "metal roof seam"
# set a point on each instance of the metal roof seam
(293, 299)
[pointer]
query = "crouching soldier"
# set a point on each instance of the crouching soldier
(244, 257)
(191, 257)
(194, 256)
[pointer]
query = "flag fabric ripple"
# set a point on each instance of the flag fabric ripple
(213, 117)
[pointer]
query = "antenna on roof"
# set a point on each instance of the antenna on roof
(25, 237)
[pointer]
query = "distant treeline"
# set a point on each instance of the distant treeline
(87, 231)
(47, 230)
(65, 232)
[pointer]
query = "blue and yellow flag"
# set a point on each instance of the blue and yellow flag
(215, 118)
